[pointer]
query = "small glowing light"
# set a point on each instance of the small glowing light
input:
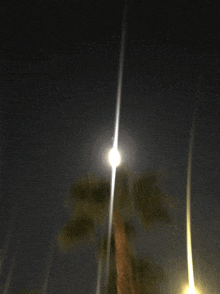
(114, 157)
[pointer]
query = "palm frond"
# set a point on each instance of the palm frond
(130, 230)
(97, 212)
(92, 189)
(147, 273)
(149, 200)
(75, 231)
(89, 196)
(102, 247)
(123, 199)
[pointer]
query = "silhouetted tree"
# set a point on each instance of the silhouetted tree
(143, 196)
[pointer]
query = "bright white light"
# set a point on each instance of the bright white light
(191, 291)
(114, 157)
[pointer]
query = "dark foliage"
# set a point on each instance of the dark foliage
(91, 190)
(79, 227)
(75, 230)
(148, 201)
(102, 245)
(101, 192)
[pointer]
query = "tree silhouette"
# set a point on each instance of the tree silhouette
(141, 195)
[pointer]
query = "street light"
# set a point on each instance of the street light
(114, 157)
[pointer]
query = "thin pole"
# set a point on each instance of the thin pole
(115, 143)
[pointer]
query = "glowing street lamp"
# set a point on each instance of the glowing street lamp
(114, 157)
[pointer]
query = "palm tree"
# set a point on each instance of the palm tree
(88, 200)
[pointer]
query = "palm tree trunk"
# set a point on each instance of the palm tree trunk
(125, 280)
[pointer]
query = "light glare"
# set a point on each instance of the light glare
(191, 290)
(114, 157)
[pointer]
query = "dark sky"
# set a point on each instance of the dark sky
(59, 70)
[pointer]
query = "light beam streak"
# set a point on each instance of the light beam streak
(191, 289)
(115, 143)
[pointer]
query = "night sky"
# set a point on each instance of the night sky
(59, 71)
